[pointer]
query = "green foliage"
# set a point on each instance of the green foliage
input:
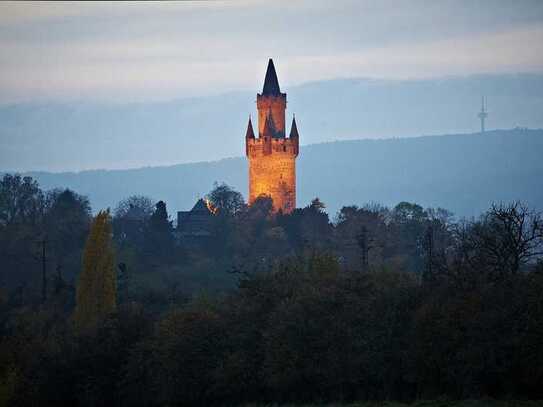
(96, 288)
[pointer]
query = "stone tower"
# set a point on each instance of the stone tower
(272, 156)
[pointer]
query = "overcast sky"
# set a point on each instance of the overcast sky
(159, 50)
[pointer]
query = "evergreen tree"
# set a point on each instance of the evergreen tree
(67, 226)
(159, 238)
(96, 289)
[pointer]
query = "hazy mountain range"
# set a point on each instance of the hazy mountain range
(464, 173)
(75, 136)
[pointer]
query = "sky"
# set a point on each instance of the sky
(149, 51)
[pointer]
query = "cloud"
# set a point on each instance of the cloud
(153, 50)
(511, 51)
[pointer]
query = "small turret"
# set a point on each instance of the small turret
(269, 126)
(294, 137)
(250, 133)
(268, 134)
(293, 129)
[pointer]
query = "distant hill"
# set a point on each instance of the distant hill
(76, 136)
(464, 173)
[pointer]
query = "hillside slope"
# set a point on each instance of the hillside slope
(77, 136)
(464, 173)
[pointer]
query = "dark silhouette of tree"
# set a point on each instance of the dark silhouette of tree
(225, 200)
(21, 201)
(129, 221)
(504, 240)
(354, 248)
(67, 225)
(159, 240)
(286, 315)
(365, 242)
(22, 219)
(509, 236)
(315, 226)
(134, 207)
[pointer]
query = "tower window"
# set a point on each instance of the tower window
(284, 148)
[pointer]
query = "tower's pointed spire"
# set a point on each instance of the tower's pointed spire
(293, 129)
(250, 133)
(271, 84)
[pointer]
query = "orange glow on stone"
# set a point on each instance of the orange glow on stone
(272, 160)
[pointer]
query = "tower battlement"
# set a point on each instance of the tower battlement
(278, 146)
(272, 156)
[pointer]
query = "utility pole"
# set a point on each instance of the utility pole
(59, 283)
(363, 243)
(122, 283)
(429, 245)
(483, 114)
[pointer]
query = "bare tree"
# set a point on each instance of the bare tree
(506, 238)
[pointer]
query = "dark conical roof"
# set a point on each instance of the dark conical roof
(250, 133)
(199, 206)
(269, 126)
(293, 129)
(271, 84)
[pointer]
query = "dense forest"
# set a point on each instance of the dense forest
(404, 303)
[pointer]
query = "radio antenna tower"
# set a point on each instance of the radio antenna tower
(483, 114)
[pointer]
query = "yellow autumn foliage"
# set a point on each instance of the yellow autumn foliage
(96, 295)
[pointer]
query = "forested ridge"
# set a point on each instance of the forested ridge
(404, 303)
(76, 135)
(464, 173)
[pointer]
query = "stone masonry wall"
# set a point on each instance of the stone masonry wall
(274, 175)
(277, 105)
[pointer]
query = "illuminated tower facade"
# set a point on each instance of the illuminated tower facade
(272, 156)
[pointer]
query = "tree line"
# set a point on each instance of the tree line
(381, 303)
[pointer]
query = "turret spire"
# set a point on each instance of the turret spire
(250, 133)
(293, 129)
(271, 84)
(269, 126)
